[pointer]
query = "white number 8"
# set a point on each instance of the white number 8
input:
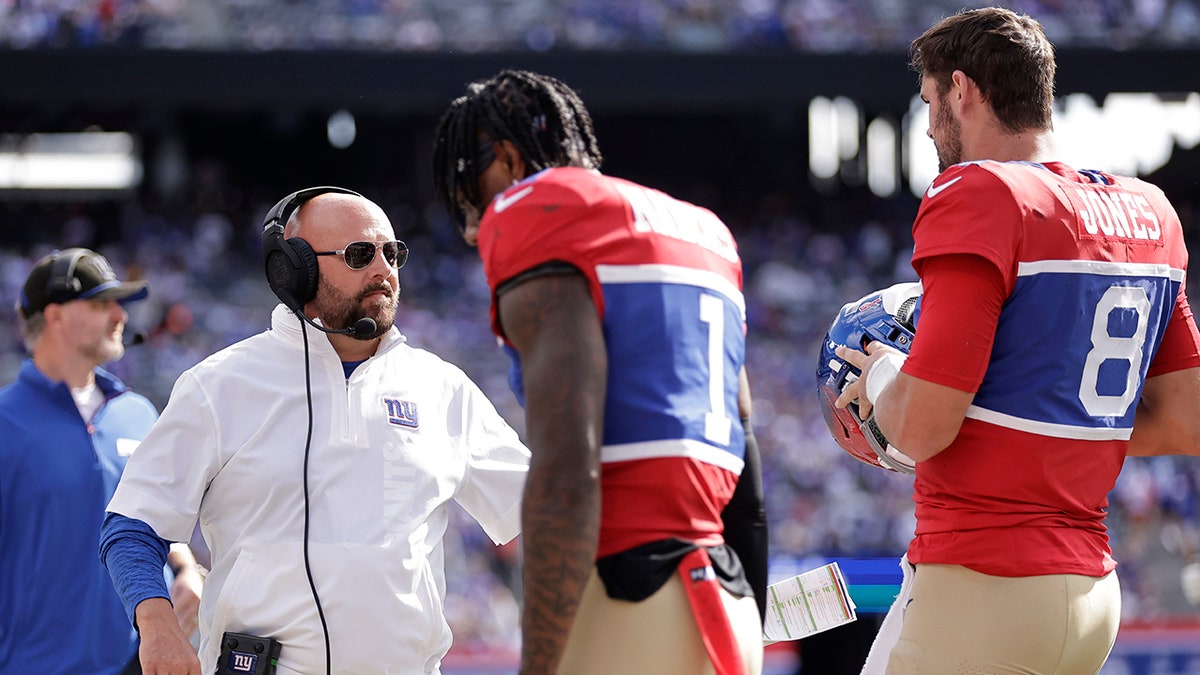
(1106, 347)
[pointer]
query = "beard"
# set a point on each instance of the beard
(949, 150)
(104, 350)
(339, 310)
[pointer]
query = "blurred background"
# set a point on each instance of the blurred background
(160, 131)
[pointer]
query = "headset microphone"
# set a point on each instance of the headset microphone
(363, 326)
(135, 339)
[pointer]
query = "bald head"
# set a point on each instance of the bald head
(332, 213)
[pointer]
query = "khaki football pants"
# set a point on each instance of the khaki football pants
(962, 622)
(657, 636)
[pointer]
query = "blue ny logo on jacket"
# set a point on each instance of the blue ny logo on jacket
(401, 413)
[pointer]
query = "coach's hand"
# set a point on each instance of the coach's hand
(185, 597)
(165, 650)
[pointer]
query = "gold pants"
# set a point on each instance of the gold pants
(962, 622)
(657, 636)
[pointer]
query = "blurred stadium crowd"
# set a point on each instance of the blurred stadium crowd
(205, 270)
(542, 25)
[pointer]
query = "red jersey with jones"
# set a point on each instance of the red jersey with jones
(1093, 266)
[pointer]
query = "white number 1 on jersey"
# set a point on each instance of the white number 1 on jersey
(717, 424)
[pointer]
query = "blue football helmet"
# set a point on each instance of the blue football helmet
(888, 316)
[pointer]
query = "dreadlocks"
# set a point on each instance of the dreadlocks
(543, 117)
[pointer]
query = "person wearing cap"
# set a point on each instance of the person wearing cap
(68, 428)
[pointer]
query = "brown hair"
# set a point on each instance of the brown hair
(1005, 53)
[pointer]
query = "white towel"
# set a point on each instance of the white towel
(889, 630)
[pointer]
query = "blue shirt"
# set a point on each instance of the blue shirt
(59, 613)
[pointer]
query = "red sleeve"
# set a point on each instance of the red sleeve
(960, 308)
(544, 219)
(971, 210)
(1180, 347)
(540, 220)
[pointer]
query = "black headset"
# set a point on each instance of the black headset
(291, 264)
(62, 285)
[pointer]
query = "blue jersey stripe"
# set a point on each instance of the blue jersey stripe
(1074, 343)
(663, 342)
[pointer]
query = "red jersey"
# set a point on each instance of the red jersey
(1092, 268)
(666, 281)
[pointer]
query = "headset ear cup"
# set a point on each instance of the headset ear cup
(277, 264)
(304, 282)
(291, 264)
(282, 266)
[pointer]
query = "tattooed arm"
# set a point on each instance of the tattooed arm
(553, 324)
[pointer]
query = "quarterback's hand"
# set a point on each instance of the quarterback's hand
(855, 392)
(165, 650)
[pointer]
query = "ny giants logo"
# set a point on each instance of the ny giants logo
(401, 413)
(241, 662)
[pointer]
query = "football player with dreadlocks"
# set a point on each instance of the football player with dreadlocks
(623, 310)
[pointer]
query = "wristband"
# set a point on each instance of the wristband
(882, 373)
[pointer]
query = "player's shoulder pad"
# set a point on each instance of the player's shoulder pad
(967, 178)
(557, 186)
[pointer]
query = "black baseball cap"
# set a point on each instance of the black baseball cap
(75, 274)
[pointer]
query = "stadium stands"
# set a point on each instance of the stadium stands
(472, 26)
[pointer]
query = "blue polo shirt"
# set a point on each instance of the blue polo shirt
(59, 613)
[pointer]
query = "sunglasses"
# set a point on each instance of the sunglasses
(359, 254)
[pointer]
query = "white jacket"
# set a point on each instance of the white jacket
(406, 433)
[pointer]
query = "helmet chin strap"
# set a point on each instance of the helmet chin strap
(889, 456)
